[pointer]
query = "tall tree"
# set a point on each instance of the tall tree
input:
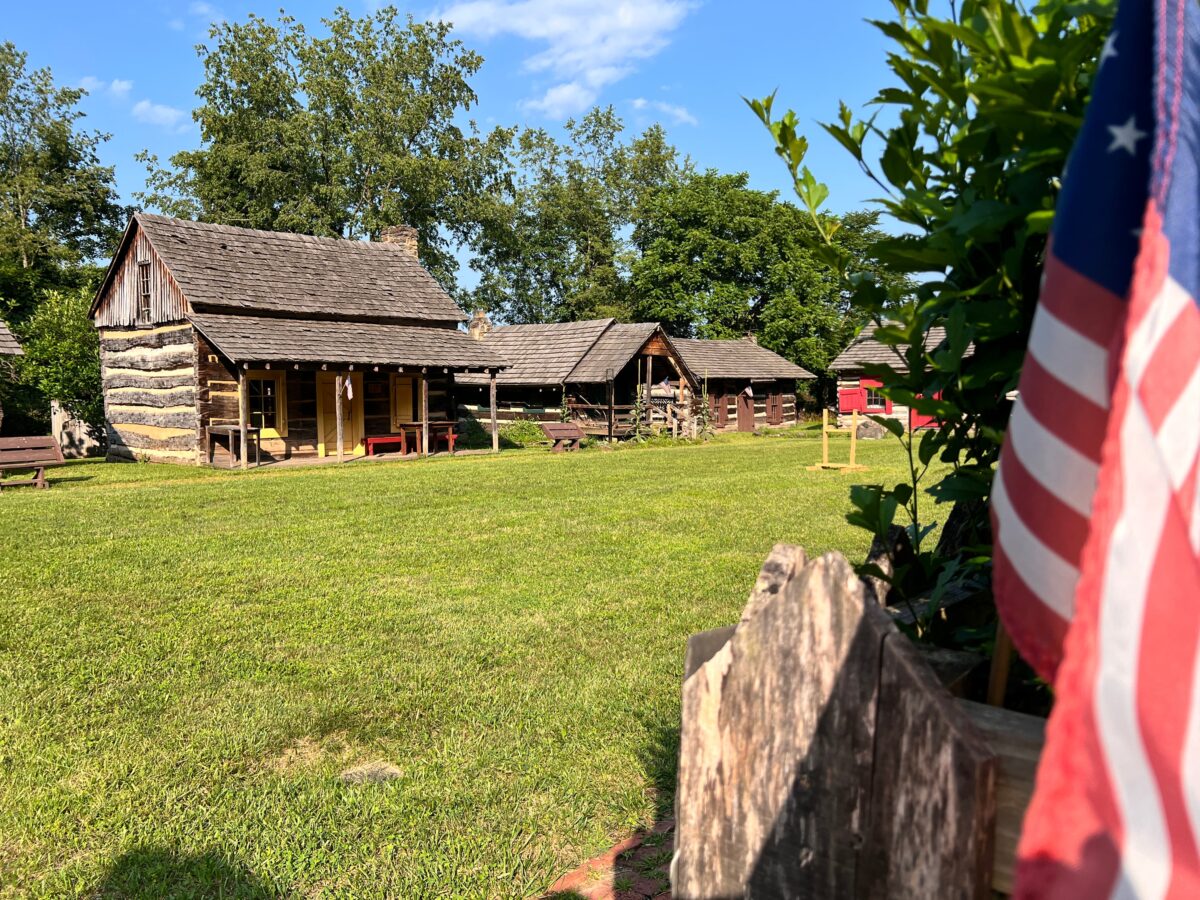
(555, 244)
(337, 135)
(717, 259)
(58, 204)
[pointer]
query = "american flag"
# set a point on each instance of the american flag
(1096, 507)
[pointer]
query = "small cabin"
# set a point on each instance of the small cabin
(860, 392)
(207, 328)
(749, 387)
(598, 368)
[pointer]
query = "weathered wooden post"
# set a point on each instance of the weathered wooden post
(612, 404)
(243, 415)
(424, 413)
(819, 756)
(339, 384)
(495, 424)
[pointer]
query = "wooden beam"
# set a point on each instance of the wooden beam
(612, 406)
(244, 414)
(425, 416)
(495, 425)
(339, 387)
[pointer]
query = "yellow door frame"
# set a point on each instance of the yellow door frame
(357, 429)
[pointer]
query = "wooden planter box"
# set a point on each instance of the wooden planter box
(820, 756)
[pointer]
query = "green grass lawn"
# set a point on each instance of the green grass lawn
(190, 657)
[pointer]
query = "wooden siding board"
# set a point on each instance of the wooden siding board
(118, 307)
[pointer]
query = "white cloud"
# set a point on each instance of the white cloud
(589, 44)
(176, 24)
(118, 87)
(159, 114)
(679, 115)
(202, 10)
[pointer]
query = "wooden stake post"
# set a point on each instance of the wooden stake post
(826, 431)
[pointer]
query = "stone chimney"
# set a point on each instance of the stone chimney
(752, 337)
(404, 235)
(480, 325)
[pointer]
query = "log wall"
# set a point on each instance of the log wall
(149, 378)
(727, 392)
(899, 411)
(118, 306)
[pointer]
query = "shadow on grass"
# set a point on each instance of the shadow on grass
(154, 872)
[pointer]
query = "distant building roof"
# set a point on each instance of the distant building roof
(245, 338)
(8, 343)
(540, 354)
(866, 349)
(741, 358)
(611, 352)
(220, 268)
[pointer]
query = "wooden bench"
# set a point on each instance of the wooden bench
(566, 435)
(29, 453)
(383, 440)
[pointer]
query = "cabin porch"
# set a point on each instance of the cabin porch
(285, 411)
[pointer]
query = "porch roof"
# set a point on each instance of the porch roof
(866, 350)
(270, 339)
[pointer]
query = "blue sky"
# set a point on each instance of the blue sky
(684, 64)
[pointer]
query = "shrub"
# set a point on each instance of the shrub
(521, 433)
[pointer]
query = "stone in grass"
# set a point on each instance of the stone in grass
(370, 773)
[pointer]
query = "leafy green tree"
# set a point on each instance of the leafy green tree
(58, 205)
(717, 259)
(62, 356)
(339, 135)
(989, 100)
(554, 244)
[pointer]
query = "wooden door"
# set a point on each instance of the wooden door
(352, 415)
(745, 411)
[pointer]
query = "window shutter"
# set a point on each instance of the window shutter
(851, 399)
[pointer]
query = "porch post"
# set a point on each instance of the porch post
(612, 405)
(649, 382)
(495, 424)
(424, 414)
(243, 414)
(339, 411)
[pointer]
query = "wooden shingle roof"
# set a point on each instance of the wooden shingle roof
(864, 349)
(611, 352)
(220, 268)
(741, 358)
(540, 354)
(8, 343)
(245, 338)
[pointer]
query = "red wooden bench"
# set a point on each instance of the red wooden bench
(383, 440)
(566, 435)
(34, 453)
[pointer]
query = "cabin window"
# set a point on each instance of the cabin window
(875, 400)
(267, 403)
(143, 285)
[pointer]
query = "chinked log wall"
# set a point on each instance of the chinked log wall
(149, 377)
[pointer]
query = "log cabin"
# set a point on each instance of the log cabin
(599, 367)
(749, 387)
(858, 391)
(211, 334)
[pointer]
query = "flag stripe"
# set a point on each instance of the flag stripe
(1048, 576)
(1070, 357)
(1077, 421)
(1061, 529)
(1071, 475)
(1079, 302)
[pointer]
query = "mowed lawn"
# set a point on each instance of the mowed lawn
(190, 657)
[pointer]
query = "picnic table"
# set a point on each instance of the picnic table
(232, 433)
(566, 435)
(441, 430)
(35, 453)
